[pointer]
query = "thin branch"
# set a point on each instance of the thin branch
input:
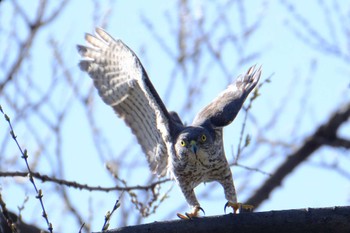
(73, 184)
(34, 27)
(24, 154)
(109, 215)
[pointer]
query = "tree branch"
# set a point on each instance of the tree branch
(319, 220)
(324, 135)
(338, 142)
(73, 184)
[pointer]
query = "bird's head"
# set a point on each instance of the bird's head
(193, 142)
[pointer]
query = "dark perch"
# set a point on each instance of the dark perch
(336, 219)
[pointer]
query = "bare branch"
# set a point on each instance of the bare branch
(73, 184)
(337, 142)
(33, 27)
(325, 133)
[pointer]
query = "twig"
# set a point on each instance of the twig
(109, 215)
(24, 156)
(252, 169)
(73, 184)
(249, 106)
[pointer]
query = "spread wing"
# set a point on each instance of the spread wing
(225, 107)
(123, 84)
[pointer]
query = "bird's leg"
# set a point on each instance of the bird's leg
(192, 201)
(231, 196)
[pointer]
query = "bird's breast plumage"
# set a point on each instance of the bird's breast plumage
(207, 164)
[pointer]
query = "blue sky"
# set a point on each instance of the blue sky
(311, 84)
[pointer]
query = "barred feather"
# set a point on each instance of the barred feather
(123, 84)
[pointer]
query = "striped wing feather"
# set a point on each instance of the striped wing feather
(123, 84)
(225, 107)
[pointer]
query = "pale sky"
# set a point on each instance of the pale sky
(283, 56)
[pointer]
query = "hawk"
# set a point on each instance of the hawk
(189, 154)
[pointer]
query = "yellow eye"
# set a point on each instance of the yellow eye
(204, 138)
(183, 143)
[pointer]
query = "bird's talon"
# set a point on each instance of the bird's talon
(200, 208)
(238, 206)
(193, 214)
(182, 216)
(247, 208)
(189, 216)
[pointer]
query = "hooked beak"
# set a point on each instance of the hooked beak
(193, 144)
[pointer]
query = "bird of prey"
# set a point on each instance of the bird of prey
(189, 154)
